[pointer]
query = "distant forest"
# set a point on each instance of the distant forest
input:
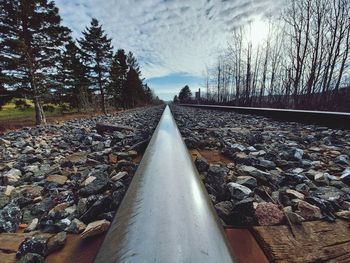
(303, 63)
(40, 60)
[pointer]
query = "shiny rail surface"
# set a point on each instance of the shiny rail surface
(324, 118)
(166, 215)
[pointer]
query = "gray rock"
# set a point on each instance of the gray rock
(238, 147)
(266, 164)
(297, 154)
(215, 178)
(76, 226)
(254, 172)
(4, 200)
(224, 210)
(36, 245)
(202, 164)
(291, 216)
(345, 177)
(82, 206)
(56, 242)
(238, 192)
(342, 159)
(329, 193)
(247, 181)
(302, 188)
(12, 176)
(28, 150)
(31, 168)
(98, 146)
(96, 186)
(322, 178)
(31, 258)
(346, 205)
(10, 218)
(100, 206)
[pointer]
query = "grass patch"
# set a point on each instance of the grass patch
(9, 110)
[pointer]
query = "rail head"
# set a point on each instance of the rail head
(166, 215)
(324, 118)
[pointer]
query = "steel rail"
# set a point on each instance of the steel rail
(166, 215)
(325, 118)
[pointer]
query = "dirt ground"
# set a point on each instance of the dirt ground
(18, 123)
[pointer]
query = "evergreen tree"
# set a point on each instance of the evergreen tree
(74, 84)
(118, 73)
(185, 94)
(132, 63)
(97, 53)
(148, 93)
(176, 99)
(133, 88)
(5, 95)
(31, 36)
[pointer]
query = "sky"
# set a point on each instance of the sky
(174, 40)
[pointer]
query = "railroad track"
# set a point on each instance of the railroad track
(324, 118)
(166, 215)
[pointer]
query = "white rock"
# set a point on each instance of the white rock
(238, 191)
(4, 142)
(12, 176)
(295, 194)
(298, 170)
(28, 149)
(9, 190)
(31, 168)
(95, 228)
(119, 176)
(32, 226)
(89, 180)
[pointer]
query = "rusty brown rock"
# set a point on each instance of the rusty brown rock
(112, 158)
(343, 215)
(268, 214)
(58, 179)
(308, 211)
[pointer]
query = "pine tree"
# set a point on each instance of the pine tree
(148, 93)
(132, 63)
(5, 95)
(185, 94)
(133, 88)
(97, 54)
(74, 83)
(31, 36)
(118, 74)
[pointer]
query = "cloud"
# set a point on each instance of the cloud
(167, 36)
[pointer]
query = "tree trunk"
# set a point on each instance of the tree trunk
(39, 112)
(103, 104)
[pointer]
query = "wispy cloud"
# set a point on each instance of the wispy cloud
(168, 36)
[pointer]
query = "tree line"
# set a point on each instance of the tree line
(185, 95)
(40, 60)
(303, 62)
